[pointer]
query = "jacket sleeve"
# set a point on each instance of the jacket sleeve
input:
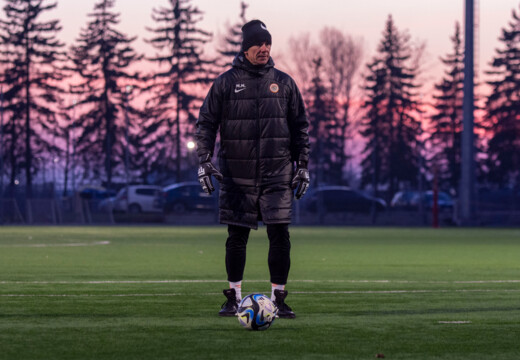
(209, 120)
(298, 125)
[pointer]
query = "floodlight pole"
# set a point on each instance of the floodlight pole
(73, 167)
(1, 153)
(128, 90)
(467, 182)
(1, 141)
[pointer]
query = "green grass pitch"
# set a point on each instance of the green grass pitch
(154, 293)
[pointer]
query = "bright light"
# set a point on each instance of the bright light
(129, 88)
(190, 145)
(56, 159)
(17, 182)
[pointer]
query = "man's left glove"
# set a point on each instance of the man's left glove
(301, 180)
(206, 170)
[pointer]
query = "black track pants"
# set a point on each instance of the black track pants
(279, 259)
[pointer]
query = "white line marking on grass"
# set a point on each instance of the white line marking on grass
(105, 295)
(86, 282)
(93, 295)
(292, 292)
(402, 291)
(410, 281)
(189, 281)
(96, 243)
(454, 322)
(486, 282)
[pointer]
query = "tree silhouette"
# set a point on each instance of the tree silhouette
(391, 127)
(446, 123)
(341, 61)
(231, 44)
(503, 109)
(65, 131)
(175, 87)
(321, 130)
(32, 58)
(102, 58)
(326, 82)
(302, 64)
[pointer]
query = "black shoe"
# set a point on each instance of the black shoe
(229, 308)
(284, 310)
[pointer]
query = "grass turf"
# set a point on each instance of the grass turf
(154, 293)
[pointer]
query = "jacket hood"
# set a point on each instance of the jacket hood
(241, 62)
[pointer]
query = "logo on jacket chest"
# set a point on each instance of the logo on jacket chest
(239, 87)
(273, 87)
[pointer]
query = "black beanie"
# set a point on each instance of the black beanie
(254, 33)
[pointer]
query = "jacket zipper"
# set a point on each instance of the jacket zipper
(258, 130)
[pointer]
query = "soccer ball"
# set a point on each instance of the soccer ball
(256, 312)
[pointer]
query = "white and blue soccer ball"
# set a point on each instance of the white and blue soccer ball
(256, 312)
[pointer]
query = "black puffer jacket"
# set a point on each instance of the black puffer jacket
(263, 131)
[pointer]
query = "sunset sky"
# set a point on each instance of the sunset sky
(431, 21)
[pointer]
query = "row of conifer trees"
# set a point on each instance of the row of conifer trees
(89, 107)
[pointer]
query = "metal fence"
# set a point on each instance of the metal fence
(77, 211)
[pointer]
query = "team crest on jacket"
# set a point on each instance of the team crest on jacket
(274, 88)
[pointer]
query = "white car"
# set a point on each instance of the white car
(138, 198)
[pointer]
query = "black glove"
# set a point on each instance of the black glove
(300, 180)
(206, 169)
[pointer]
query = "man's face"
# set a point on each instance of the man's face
(258, 54)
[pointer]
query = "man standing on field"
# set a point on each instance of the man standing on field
(263, 134)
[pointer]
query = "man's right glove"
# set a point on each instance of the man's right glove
(206, 170)
(301, 180)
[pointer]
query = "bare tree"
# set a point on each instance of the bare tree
(303, 56)
(342, 57)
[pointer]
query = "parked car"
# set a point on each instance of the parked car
(342, 199)
(107, 204)
(404, 200)
(498, 199)
(94, 196)
(410, 200)
(95, 193)
(187, 196)
(444, 200)
(138, 198)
